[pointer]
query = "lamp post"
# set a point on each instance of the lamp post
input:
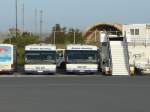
(74, 37)
(41, 24)
(54, 37)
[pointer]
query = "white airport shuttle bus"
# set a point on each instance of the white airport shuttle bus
(40, 58)
(81, 58)
(7, 58)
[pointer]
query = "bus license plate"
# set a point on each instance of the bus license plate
(82, 71)
(40, 71)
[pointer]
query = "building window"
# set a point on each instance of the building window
(136, 31)
(132, 31)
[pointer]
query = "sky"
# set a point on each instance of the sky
(74, 13)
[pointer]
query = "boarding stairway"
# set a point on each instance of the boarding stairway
(119, 57)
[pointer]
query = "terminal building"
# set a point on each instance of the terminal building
(138, 38)
(137, 34)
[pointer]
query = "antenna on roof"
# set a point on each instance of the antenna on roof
(16, 6)
(35, 21)
(22, 18)
(41, 23)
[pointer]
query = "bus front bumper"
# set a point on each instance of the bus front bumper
(82, 68)
(39, 72)
(82, 71)
(40, 69)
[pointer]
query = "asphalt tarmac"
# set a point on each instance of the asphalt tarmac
(74, 93)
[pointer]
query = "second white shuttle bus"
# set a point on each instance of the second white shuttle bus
(81, 58)
(40, 58)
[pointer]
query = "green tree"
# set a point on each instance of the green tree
(64, 36)
(79, 37)
(59, 34)
(20, 42)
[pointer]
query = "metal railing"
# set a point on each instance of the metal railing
(140, 41)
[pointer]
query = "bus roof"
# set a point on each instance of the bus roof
(81, 47)
(40, 47)
(6, 45)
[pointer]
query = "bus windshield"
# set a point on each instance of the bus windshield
(81, 56)
(39, 57)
